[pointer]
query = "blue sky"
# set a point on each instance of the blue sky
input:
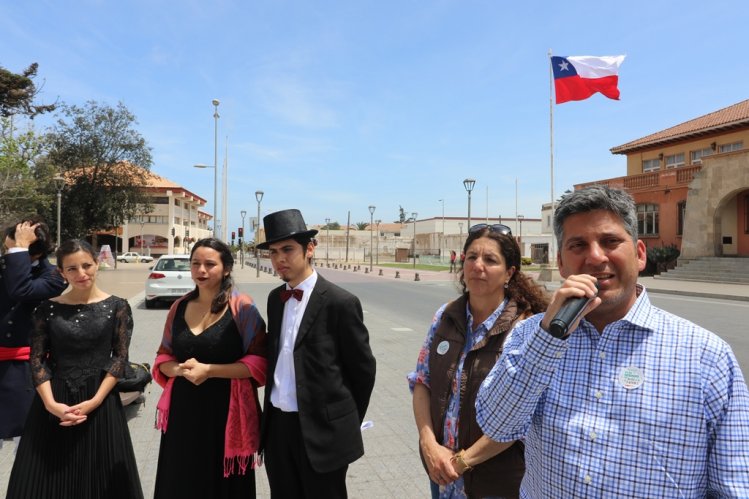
(330, 106)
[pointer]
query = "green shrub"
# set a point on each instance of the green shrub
(661, 258)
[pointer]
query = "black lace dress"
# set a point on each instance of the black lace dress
(73, 347)
(191, 455)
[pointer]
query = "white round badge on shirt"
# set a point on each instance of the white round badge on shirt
(631, 377)
(443, 347)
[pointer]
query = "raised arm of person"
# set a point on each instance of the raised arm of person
(519, 378)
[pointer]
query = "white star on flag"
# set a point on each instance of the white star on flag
(563, 65)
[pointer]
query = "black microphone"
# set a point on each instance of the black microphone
(568, 314)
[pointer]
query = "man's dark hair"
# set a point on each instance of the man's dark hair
(43, 244)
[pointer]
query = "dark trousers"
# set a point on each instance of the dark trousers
(290, 474)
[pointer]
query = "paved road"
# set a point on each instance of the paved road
(397, 313)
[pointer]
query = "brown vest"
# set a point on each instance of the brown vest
(500, 475)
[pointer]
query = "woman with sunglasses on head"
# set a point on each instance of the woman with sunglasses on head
(211, 362)
(76, 441)
(462, 345)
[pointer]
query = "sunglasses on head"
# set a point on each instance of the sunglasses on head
(498, 228)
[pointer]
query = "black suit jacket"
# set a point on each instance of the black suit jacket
(335, 373)
(22, 288)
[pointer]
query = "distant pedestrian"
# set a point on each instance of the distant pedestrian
(453, 257)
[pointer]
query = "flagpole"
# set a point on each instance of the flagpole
(552, 252)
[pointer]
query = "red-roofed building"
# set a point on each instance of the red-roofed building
(175, 222)
(691, 184)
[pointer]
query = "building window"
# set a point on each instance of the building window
(734, 146)
(675, 160)
(647, 219)
(696, 156)
(682, 213)
(160, 200)
(176, 202)
(651, 165)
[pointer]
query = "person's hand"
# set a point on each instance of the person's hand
(574, 286)
(439, 464)
(195, 372)
(25, 235)
(66, 414)
(84, 408)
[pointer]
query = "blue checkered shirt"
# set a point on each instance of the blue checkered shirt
(653, 407)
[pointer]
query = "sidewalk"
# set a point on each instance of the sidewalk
(652, 284)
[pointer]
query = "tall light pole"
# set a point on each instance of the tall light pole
(327, 242)
(142, 225)
(378, 240)
(520, 239)
(414, 215)
(371, 234)
(259, 197)
(59, 181)
(215, 103)
(468, 184)
(241, 250)
(442, 238)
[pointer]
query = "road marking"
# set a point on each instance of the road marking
(401, 329)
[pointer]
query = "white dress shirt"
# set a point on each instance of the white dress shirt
(283, 393)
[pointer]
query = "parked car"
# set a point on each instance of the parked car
(132, 256)
(169, 279)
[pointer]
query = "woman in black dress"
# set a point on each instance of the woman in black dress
(76, 441)
(210, 362)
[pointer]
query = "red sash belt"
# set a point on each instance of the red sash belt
(14, 353)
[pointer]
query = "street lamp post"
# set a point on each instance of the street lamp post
(327, 242)
(142, 225)
(442, 238)
(371, 234)
(259, 197)
(241, 251)
(216, 226)
(520, 238)
(378, 241)
(59, 181)
(468, 184)
(414, 214)
(215, 102)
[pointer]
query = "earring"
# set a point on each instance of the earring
(507, 285)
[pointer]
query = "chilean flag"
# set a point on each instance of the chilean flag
(579, 77)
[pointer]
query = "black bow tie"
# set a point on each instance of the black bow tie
(288, 293)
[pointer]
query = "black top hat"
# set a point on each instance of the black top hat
(284, 224)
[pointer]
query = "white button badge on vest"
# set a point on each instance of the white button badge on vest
(443, 347)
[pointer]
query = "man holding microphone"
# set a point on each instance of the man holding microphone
(630, 400)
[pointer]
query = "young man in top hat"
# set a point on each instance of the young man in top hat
(26, 278)
(321, 370)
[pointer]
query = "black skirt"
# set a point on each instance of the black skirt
(93, 460)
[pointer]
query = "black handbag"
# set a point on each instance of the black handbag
(137, 376)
